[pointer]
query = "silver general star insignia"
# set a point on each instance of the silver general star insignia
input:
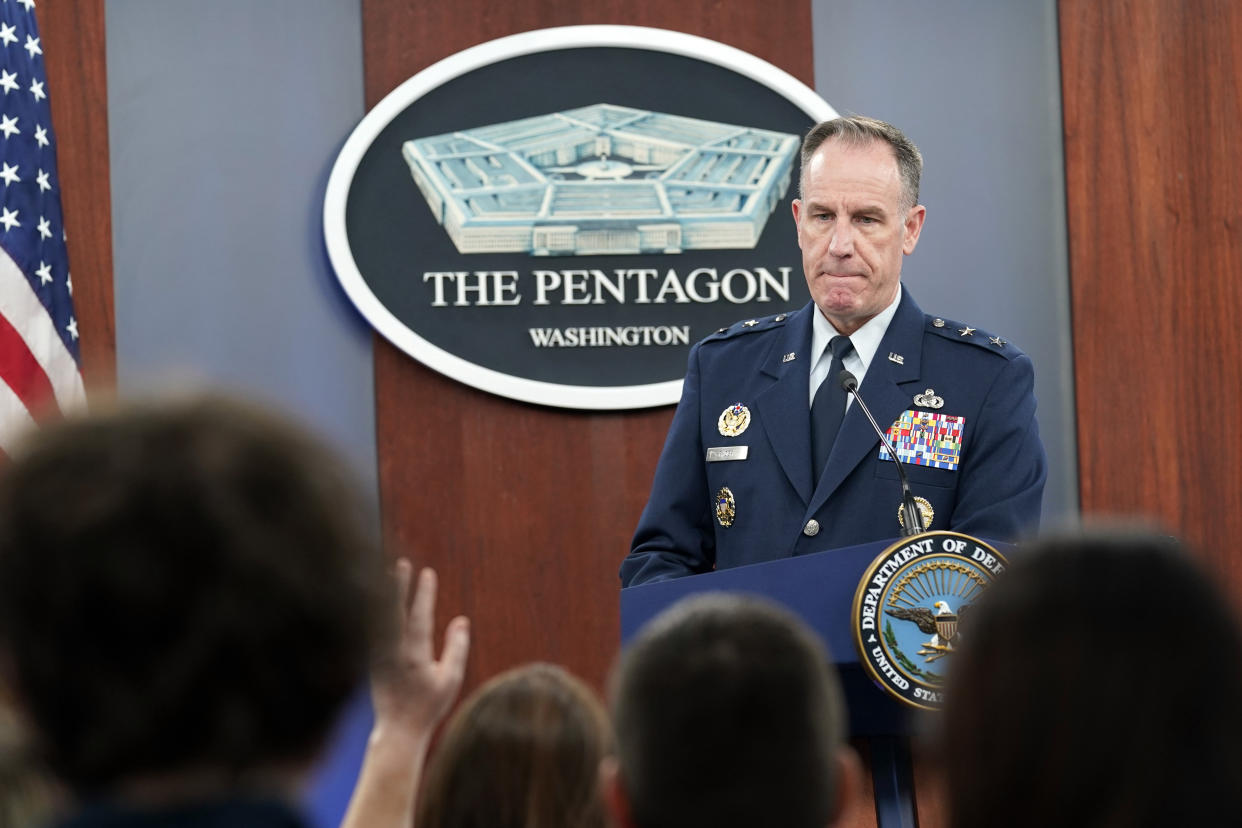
(733, 420)
(997, 341)
(966, 331)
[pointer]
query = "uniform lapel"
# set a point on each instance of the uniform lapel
(857, 439)
(783, 406)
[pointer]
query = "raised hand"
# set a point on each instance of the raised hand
(411, 692)
(410, 689)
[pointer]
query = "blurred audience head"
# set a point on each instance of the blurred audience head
(188, 589)
(727, 713)
(1098, 684)
(522, 752)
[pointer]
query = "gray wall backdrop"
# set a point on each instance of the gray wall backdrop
(976, 84)
(225, 118)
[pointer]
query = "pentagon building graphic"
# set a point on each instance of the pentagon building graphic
(603, 179)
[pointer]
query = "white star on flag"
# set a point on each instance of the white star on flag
(9, 125)
(36, 89)
(41, 136)
(7, 34)
(9, 218)
(44, 272)
(42, 181)
(45, 228)
(32, 46)
(9, 174)
(8, 80)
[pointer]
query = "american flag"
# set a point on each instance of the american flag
(40, 363)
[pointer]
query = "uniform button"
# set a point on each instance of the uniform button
(811, 529)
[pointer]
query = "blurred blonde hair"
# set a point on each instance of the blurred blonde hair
(522, 752)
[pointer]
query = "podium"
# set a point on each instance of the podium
(820, 589)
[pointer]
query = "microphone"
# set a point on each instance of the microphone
(913, 518)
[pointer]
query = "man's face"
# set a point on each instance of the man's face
(853, 230)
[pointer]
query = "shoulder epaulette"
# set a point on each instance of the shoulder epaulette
(967, 334)
(757, 325)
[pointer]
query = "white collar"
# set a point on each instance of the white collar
(866, 340)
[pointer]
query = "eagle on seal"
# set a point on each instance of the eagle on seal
(941, 625)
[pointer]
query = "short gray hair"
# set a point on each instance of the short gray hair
(859, 130)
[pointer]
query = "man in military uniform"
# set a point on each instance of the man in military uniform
(767, 457)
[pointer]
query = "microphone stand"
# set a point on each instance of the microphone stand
(912, 523)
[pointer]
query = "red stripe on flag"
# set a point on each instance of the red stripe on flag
(21, 371)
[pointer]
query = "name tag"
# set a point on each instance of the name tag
(716, 455)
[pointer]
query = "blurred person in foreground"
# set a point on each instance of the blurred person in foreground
(727, 713)
(523, 751)
(28, 795)
(1099, 684)
(188, 594)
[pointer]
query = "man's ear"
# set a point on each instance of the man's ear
(849, 786)
(913, 228)
(612, 790)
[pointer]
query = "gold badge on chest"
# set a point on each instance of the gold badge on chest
(925, 509)
(733, 420)
(726, 507)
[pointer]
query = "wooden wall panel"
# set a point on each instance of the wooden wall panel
(1153, 112)
(527, 511)
(73, 37)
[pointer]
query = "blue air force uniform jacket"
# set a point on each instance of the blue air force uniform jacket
(990, 485)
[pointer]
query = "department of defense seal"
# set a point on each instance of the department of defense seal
(726, 507)
(733, 420)
(912, 608)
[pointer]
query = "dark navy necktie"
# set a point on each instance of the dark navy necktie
(828, 409)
